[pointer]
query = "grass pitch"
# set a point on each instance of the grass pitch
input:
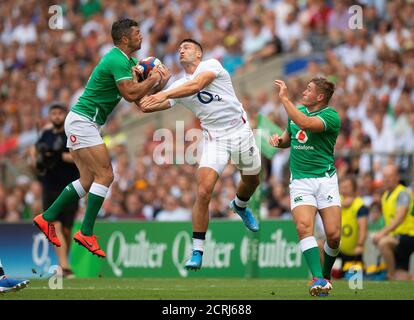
(205, 289)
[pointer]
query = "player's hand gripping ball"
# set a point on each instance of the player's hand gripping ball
(146, 65)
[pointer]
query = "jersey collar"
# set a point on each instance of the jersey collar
(317, 111)
(122, 52)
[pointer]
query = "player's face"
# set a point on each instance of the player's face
(57, 117)
(187, 52)
(311, 96)
(135, 39)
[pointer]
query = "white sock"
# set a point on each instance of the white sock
(198, 244)
(99, 190)
(79, 189)
(329, 251)
(240, 203)
(308, 243)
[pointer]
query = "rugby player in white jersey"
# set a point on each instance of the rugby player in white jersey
(207, 90)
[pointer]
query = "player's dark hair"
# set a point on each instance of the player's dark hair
(192, 41)
(122, 28)
(324, 86)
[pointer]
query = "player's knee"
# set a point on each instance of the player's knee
(333, 238)
(304, 229)
(105, 177)
(203, 194)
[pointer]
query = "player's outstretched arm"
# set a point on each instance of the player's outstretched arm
(304, 122)
(282, 141)
(163, 105)
(191, 87)
(187, 89)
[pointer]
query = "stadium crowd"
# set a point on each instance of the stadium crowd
(372, 69)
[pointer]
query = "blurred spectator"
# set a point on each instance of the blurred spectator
(339, 17)
(233, 58)
(255, 38)
(289, 31)
(396, 239)
(354, 225)
(134, 207)
(172, 211)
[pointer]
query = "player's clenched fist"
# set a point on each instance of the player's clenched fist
(274, 140)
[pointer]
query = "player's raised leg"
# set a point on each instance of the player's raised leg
(206, 180)
(73, 192)
(331, 217)
(246, 157)
(99, 165)
(245, 190)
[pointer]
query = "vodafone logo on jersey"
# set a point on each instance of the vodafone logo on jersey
(302, 136)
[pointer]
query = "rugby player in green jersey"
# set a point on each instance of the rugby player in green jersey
(111, 79)
(311, 134)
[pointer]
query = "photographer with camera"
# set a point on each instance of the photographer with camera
(55, 169)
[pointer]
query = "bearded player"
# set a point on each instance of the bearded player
(110, 80)
(311, 133)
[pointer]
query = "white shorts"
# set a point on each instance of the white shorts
(318, 192)
(81, 132)
(239, 147)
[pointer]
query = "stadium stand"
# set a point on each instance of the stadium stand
(372, 69)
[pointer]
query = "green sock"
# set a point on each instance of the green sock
(312, 257)
(67, 196)
(329, 257)
(92, 209)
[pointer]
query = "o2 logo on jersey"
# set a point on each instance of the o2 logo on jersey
(302, 136)
(206, 97)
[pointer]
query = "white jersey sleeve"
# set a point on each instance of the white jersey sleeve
(211, 65)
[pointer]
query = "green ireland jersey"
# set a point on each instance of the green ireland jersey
(101, 94)
(312, 153)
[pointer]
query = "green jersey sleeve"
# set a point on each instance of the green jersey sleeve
(120, 69)
(330, 119)
(288, 129)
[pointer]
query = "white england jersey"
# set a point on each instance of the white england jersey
(216, 105)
